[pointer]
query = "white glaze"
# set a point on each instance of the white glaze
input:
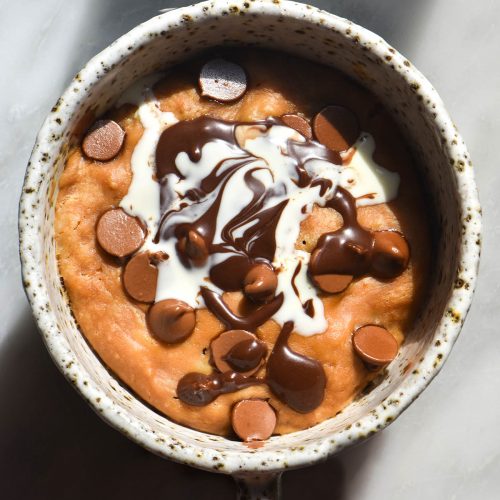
(363, 176)
(143, 196)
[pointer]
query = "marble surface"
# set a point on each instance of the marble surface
(446, 446)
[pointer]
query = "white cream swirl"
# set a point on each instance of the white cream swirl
(273, 166)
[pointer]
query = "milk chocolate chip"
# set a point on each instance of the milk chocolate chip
(253, 420)
(390, 254)
(238, 350)
(336, 127)
(332, 283)
(299, 123)
(375, 345)
(193, 246)
(171, 320)
(222, 80)
(260, 283)
(118, 233)
(103, 141)
(139, 277)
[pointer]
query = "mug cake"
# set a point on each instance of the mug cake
(244, 240)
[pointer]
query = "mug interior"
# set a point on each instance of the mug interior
(442, 161)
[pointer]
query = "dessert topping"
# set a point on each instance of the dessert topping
(299, 123)
(139, 277)
(118, 233)
(192, 246)
(353, 251)
(103, 141)
(251, 321)
(260, 283)
(238, 350)
(332, 283)
(375, 345)
(295, 379)
(391, 254)
(171, 320)
(253, 420)
(336, 127)
(198, 389)
(222, 80)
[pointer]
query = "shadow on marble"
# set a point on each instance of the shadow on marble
(53, 445)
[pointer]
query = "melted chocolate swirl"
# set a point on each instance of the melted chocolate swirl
(248, 238)
(355, 251)
(231, 320)
(259, 218)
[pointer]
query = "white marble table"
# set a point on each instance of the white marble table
(446, 446)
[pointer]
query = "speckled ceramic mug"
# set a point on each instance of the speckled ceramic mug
(444, 164)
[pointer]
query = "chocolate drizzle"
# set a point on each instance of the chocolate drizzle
(198, 389)
(347, 250)
(258, 239)
(231, 320)
(297, 380)
(189, 136)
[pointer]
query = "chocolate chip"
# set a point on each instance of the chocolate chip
(332, 283)
(193, 247)
(196, 389)
(139, 277)
(103, 141)
(375, 345)
(222, 80)
(299, 123)
(390, 254)
(171, 320)
(253, 419)
(237, 350)
(260, 283)
(336, 127)
(118, 233)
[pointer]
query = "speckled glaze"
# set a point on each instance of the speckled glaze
(320, 36)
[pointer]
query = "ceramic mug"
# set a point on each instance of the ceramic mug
(443, 162)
